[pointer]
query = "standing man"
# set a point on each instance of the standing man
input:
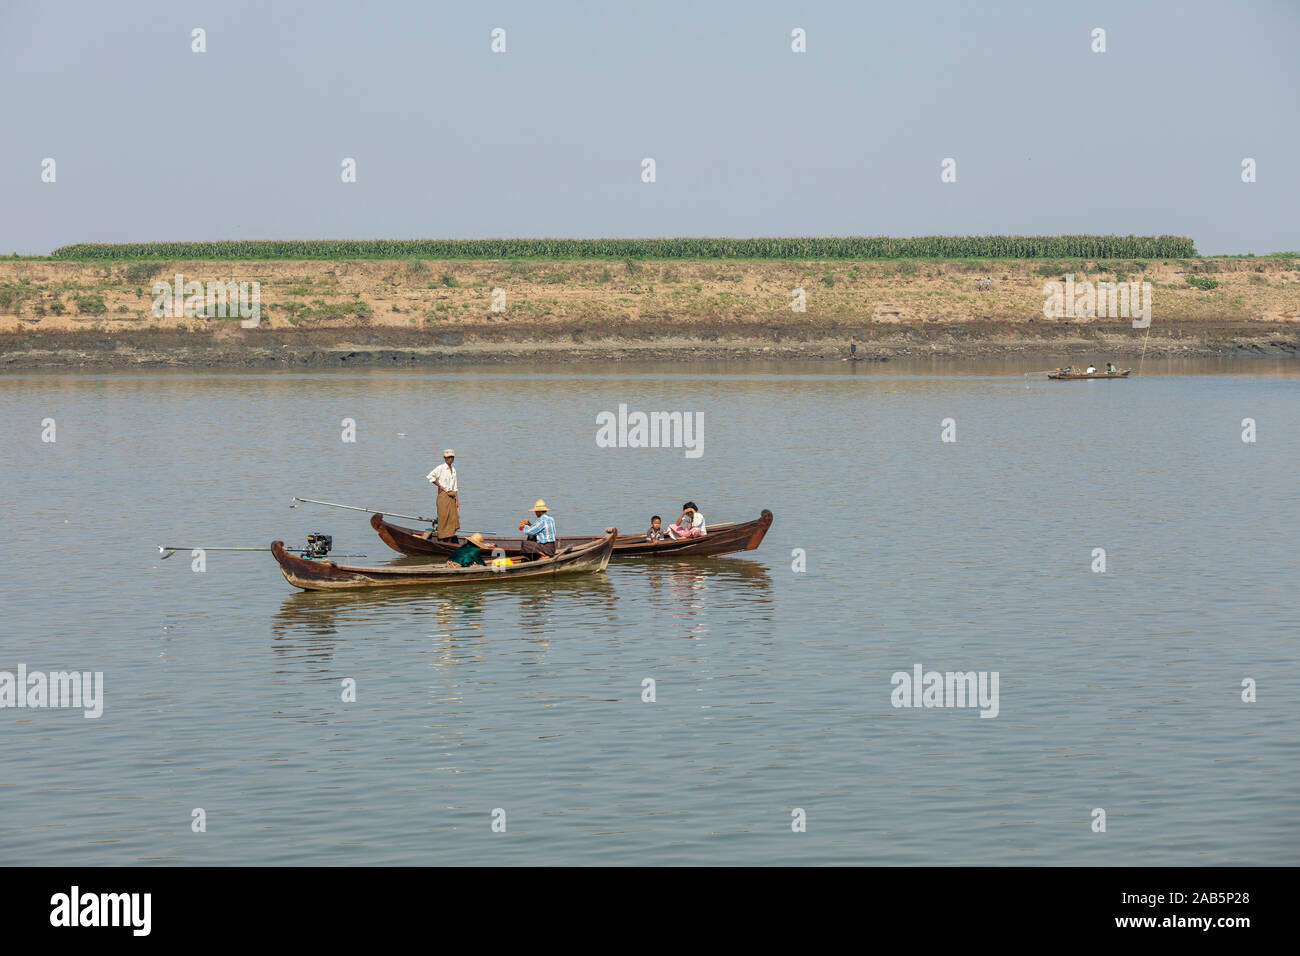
(444, 479)
(539, 537)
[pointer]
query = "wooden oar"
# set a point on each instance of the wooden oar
(293, 503)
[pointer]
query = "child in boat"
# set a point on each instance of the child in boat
(656, 533)
(471, 552)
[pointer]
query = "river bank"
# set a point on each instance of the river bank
(387, 312)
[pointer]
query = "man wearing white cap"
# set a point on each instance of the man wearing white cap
(444, 478)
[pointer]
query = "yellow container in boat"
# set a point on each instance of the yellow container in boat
(501, 562)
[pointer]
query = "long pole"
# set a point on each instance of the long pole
(167, 552)
(293, 503)
(1144, 350)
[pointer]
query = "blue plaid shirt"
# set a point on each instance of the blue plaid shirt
(543, 527)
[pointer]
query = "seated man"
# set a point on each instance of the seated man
(539, 541)
(656, 533)
(1091, 369)
(471, 552)
(690, 524)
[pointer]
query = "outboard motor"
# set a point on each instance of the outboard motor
(318, 545)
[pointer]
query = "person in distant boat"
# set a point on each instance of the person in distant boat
(1091, 369)
(690, 524)
(445, 479)
(1110, 368)
(539, 537)
(471, 552)
(656, 533)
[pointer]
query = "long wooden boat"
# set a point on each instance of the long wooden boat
(589, 557)
(1062, 376)
(721, 539)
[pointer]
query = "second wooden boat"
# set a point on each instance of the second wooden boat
(590, 557)
(722, 539)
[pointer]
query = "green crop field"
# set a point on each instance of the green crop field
(792, 249)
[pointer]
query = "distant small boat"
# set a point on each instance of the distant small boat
(1061, 375)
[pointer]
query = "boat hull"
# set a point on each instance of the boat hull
(724, 539)
(590, 557)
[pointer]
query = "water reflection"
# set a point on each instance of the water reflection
(686, 592)
(308, 624)
(596, 596)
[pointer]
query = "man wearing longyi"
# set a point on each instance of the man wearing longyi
(539, 537)
(444, 478)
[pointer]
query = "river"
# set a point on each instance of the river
(772, 735)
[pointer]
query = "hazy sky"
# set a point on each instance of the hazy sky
(154, 142)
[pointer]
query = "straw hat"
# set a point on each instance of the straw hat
(477, 539)
(540, 505)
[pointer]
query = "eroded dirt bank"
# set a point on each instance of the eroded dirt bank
(378, 312)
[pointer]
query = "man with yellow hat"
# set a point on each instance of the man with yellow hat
(539, 537)
(444, 479)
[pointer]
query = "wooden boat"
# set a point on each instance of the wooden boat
(1062, 376)
(591, 556)
(722, 539)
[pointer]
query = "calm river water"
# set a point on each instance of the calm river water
(1118, 690)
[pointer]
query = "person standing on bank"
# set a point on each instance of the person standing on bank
(539, 537)
(444, 479)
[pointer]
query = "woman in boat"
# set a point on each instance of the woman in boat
(690, 524)
(1110, 368)
(471, 552)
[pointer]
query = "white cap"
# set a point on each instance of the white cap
(448, 454)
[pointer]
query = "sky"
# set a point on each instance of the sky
(152, 141)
